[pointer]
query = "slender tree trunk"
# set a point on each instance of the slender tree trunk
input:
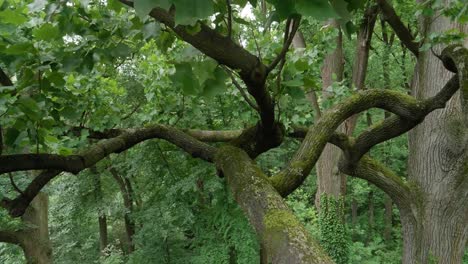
(436, 229)
(388, 42)
(354, 209)
(370, 216)
(387, 234)
(329, 178)
(127, 194)
(102, 221)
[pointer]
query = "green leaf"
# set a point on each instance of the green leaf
(151, 30)
(18, 49)
(320, 9)
(341, 8)
(12, 17)
(36, 6)
(188, 11)
(115, 5)
(293, 83)
(46, 32)
(121, 51)
(184, 78)
(143, 7)
(11, 135)
(284, 8)
(217, 85)
(29, 107)
(296, 93)
(204, 70)
(349, 28)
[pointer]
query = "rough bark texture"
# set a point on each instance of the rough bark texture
(329, 178)
(284, 238)
(34, 238)
(438, 166)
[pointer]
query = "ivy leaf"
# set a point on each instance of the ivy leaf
(46, 32)
(184, 78)
(320, 10)
(188, 11)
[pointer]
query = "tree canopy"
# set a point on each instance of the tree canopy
(200, 123)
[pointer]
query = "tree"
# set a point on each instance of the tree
(36, 101)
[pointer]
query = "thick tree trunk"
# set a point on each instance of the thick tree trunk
(436, 229)
(285, 239)
(35, 239)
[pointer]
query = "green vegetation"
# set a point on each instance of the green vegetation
(180, 131)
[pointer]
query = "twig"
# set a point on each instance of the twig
(229, 9)
(242, 92)
(10, 175)
(288, 37)
(132, 112)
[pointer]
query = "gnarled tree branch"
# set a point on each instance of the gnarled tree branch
(319, 134)
(400, 29)
(90, 156)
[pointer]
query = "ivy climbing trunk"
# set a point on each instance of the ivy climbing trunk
(435, 229)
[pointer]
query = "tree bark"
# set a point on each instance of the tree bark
(127, 194)
(103, 241)
(436, 229)
(329, 178)
(387, 234)
(370, 216)
(284, 238)
(102, 220)
(34, 239)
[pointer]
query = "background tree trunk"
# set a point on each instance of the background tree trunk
(329, 179)
(35, 240)
(436, 228)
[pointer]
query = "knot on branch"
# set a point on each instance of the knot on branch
(256, 139)
(452, 56)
